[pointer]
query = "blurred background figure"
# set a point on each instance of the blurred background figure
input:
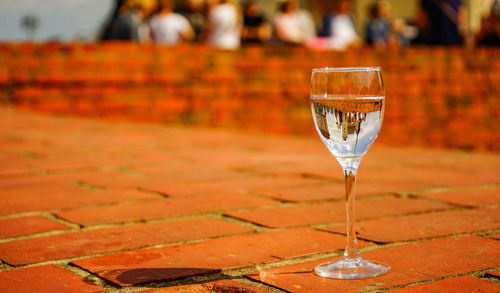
(256, 29)
(128, 24)
(118, 6)
(340, 28)
(168, 27)
(489, 35)
(307, 23)
(289, 27)
(378, 27)
(195, 12)
(224, 22)
(440, 22)
(404, 31)
(30, 24)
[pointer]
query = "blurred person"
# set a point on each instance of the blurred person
(289, 27)
(378, 27)
(405, 31)
(339, 27)
(168, 27)
(224, 24)
(442, 22)
(129, 23)
(307, 23)
(489, 35)
(256, 29)
(105, 34)
(195, 12)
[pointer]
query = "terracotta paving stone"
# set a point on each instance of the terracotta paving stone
(414, 169)
(460, 284)
(112, 239)
(47, 278)
(184, 260)
(388, 180)
(304, 192)
(204, 170)
(56, 196)
(371, 186)
(464, 178)
(169, 207)
(14, 166)
(365, 186)
(477, 197)
(409, 263)
(13, 182)
(225, 186)
(65, 164)
(161, 179)
(495, 236)
(455, 168)
(27, 225)
(425, 225)
(335, 212)
(216, 286)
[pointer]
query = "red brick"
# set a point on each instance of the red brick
(478, 197)
(44, 279)
(111, 239)
(334, 212)
(27, 225)
(495, 236)
(56, 196)
(455, 168)
(183, 260)
(409, 263)
(460, 284)
(304, 192)
(426, 225)
(59, 164)
(169, 207)
(25, 182)
(374, 182)
(160, 176)
(390, 178)
(216, 286)
(14, 165)
(314, 159)
(227, 187)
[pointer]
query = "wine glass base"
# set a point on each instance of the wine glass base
(351, 269)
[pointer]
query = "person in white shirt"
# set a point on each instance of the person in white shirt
(294, 25)
(168, 27)
(224, 22)
(339, 28)
(288, 25)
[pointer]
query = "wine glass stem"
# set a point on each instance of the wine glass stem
(351, 251)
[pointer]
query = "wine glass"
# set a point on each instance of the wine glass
(348, 108)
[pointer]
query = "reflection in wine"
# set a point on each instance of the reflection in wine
(342, 122)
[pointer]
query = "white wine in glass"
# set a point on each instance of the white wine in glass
(348, 108)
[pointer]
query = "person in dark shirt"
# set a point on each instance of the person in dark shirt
(378, 27)
(490, 31)
(128, 25)
(442, 19)
(255, 26)
(195, 12)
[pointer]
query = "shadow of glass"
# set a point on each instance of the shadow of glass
(130, 277)
(127, 277)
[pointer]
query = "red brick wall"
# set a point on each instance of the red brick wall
(438, 97)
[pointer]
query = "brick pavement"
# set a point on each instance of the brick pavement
(89, 206)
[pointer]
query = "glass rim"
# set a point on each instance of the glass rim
(346, 69)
